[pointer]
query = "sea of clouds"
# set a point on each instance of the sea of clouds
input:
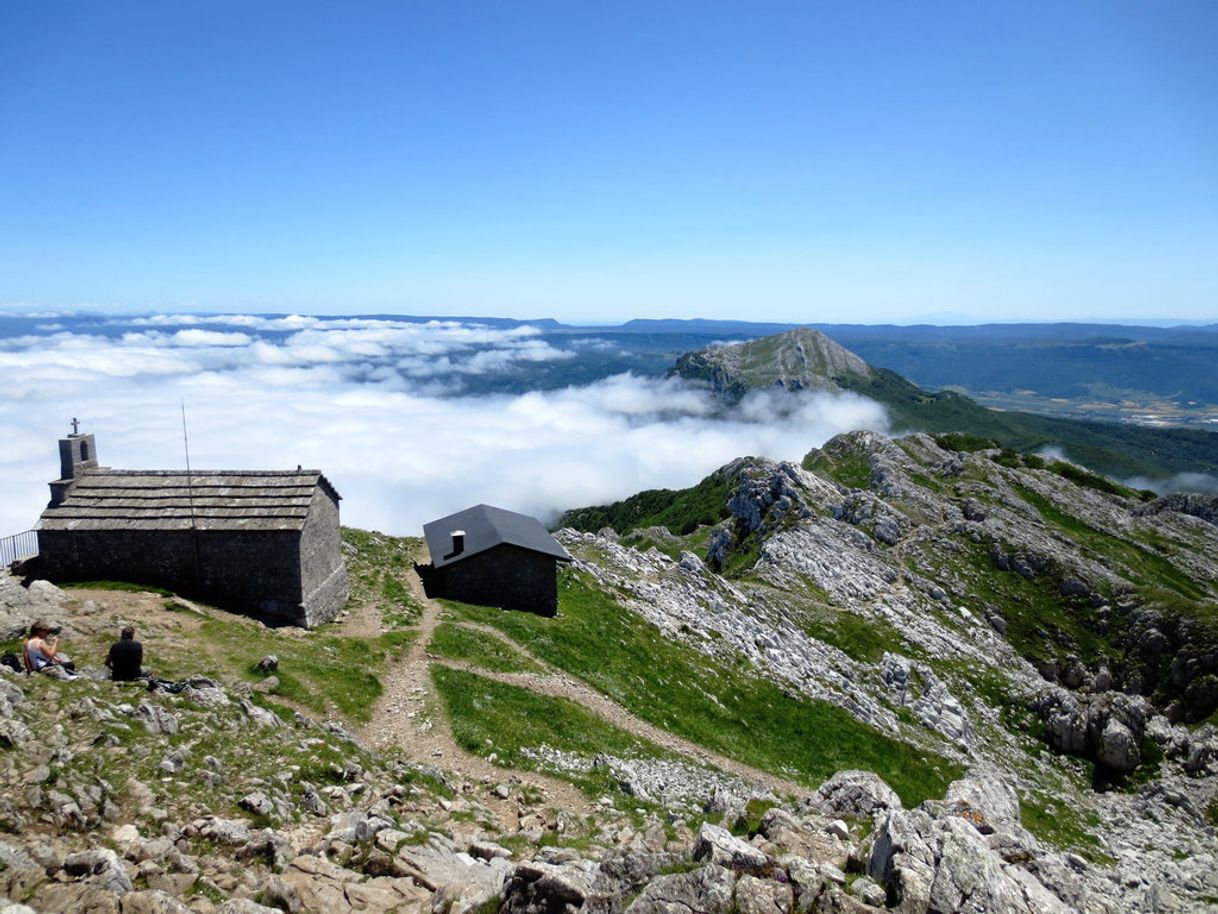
(376, 404)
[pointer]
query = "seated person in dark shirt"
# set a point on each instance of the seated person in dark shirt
(125, 657)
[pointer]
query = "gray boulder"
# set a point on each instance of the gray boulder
(223, 831)
(764, 896)
(156, 719)
(868, 891)
(971, 879)
(280, 894)
(245, 906)
(717, 845)
(152, 901)
(989, 803)
(261, 717)
(707, 890)
(542, 888)
(101, 865)
(854, 793)
(257, 803)
(1117, 748)
(903, 840)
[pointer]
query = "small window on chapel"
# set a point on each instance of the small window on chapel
(84, 451)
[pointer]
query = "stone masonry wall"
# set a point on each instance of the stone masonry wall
(505, 576)
(322, 571)
(256, 572)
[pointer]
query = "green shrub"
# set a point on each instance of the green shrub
(962, 441)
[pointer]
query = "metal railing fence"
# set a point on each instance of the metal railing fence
(19, 546)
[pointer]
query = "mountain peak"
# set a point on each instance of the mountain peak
(800, 359)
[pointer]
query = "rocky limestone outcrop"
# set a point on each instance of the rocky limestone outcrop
(303, 819)
(970, 560)
(1193, 504)
(21, 605)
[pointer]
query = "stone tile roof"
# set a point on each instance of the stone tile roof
(485, 527)
(105, 499)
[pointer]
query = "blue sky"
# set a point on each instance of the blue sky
(596, 162)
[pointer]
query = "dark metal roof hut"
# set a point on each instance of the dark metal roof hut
(493, 557)
(262, 542)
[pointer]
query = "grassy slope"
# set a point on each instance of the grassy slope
(490, 717)
(731, 710)
(681, 511)
(459, 642)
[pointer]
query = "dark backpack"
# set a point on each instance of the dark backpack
(13, 662)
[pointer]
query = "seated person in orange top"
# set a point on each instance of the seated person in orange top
(125, 657)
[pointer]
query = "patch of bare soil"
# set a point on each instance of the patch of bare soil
(93, 620)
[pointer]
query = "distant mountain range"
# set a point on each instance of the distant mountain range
(805, 359)
(1106, 362)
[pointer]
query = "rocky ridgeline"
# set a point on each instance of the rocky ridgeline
(916, 552)
(1104, 664)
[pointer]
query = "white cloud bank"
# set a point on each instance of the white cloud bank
(358, 399)
(1181, 482)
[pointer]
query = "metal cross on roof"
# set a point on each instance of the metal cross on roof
(75, 426)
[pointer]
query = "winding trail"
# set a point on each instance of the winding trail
(410, 716)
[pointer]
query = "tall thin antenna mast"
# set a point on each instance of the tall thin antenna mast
(190, 495)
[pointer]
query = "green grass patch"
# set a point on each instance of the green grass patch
(399, 607)
(670, 546)
(492, 717)
(1148, 769)
(124, 586)
(1064, 826)
(927, 482)
(851, 469)
(962, 441)
(201, 889)
(1041, 623)
(1089, 480)
(320, 672)
(748, 823)
(742, 555)
(1008, 458)
(856, 637)
(729, 709)
(460, 642)
(375, 564)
